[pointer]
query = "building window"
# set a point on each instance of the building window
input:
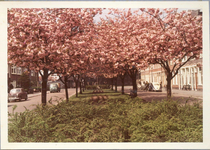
(14, 69)
(19, 70)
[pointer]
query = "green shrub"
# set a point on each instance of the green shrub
(94, 87)
(106, 86)
(119, 119)
(91, 87)
(36, 89)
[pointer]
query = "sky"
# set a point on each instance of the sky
(105, 12)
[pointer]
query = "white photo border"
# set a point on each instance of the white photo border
(204, 5)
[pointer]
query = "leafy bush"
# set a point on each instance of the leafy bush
(118, 119)
(91, 87)
(104, 86)
(36, 89)
(94, 87)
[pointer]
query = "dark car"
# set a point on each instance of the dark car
(17, 94)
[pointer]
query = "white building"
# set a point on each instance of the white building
(190, 74)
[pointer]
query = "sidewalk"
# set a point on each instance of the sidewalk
(177, 95)
(185, 93)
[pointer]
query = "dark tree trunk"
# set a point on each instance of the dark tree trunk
(115, 84)
(83, 86)
(80, 87)
(123, 83)
(85, 83)
(76, 88)
(65, 82)
(112, 82)
(132, 73)
(44, 87)
(123, 86)
(134, 86)
(168, 87)
(66, 88)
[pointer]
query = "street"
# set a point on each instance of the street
(34, 99)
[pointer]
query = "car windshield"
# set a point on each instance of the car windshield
(53, 85)
(15, 91)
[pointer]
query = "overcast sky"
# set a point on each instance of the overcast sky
(105, 12)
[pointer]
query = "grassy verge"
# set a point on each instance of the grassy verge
(117, 118)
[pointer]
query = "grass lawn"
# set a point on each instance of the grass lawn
(108, 117)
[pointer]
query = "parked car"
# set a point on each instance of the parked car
(17, 94)
(55, 87)
(186, 87)
(155, 86)
(29, 91)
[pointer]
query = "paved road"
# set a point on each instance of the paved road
(145, 95)
(35, 98)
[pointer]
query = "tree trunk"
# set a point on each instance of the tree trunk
(115, 84)
(123, 83)
(168, 79)
(80, 87)
(85, 83)
(76, 84)
(134, 86)
(66, 88)
(76, 88)
(83, 86)
(123, 86)
(112, 82)
(44, 87)
(132, 73)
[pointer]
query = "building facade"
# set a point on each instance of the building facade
(14, 73)
(190, 74)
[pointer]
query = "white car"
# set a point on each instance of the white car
(155, 86)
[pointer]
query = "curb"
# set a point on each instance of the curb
(37, 94)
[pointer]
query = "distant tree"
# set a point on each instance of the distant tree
(24, 80)
(116, 39)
